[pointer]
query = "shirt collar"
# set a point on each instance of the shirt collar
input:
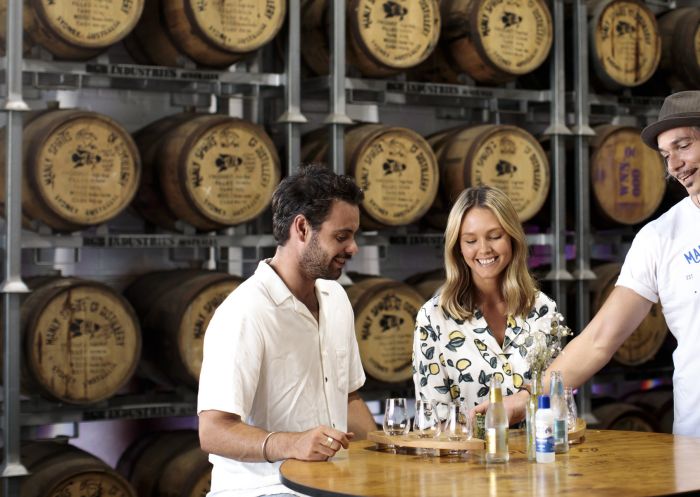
(272, 282)
(278, 291)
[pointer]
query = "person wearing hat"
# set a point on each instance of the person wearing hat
(662, 265)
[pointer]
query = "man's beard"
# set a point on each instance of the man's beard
(317, 264)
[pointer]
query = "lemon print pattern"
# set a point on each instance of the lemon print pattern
(456, 359)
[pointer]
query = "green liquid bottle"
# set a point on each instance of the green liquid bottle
(530, 411)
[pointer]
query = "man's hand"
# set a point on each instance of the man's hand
(318, 444)
(514, 404)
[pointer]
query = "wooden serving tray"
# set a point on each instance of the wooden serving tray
(413, 441)
(578, 433)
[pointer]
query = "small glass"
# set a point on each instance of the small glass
(458, 425)
(572, 412)
(427, 422)
(396, 417)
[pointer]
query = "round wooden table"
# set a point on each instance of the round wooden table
(615, 463)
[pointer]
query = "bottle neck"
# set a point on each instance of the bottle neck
(495, 395)
(536, 387)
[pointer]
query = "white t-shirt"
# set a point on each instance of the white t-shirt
(269, 361)
(663, 265)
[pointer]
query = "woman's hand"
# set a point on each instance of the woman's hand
(514, 404)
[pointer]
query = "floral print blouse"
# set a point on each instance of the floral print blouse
(455, 359)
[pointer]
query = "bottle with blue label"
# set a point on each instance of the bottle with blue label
(544, 431)
(560, 411)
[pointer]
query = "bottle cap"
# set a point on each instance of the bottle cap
(543, 402)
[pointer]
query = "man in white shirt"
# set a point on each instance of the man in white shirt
(281, 363)
(663, 265)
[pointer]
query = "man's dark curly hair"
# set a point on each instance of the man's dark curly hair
(310, 192)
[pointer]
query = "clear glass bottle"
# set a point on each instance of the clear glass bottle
(496, 425)
(560, 412)
(530, 411)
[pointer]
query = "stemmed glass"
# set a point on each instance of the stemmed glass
(459, 424)
(396, 417)
(572, 412)
(427, 421)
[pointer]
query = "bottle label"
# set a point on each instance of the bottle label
(560, 433)
(544, 441)
(497, 440)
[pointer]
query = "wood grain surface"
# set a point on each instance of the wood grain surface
(614, 463)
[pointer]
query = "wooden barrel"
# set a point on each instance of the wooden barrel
(622, 416)
(80, 169)
(211, 171)
(627, 177)
(427, 283)
(648, 338)
(215, 34)
(81, 340)
(494, 41)
(174, 308)
(385, 314)
(658, 402)
(383, 38)
(680, 46)
(395, 167)
(59, 469)
(503, 156)
(625, 44)
(167, 464)
(79, 29)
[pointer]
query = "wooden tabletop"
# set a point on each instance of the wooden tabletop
(614, 463)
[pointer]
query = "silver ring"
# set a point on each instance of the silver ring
(329, 442)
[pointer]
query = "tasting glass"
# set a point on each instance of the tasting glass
(458, 425)
(427, 422)
(572, 412)
(396, 417)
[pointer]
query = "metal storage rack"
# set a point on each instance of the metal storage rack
(587, 107)
(476, 100)
(186, 87)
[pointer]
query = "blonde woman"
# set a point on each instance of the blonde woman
(473, 327)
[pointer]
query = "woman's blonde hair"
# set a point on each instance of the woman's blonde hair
(458, 294)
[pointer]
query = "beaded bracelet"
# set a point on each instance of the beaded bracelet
(264, 446)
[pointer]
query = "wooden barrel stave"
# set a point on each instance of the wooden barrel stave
(625, 45)
(149, 200)
(680, 34)
(74, 29)
(149, 42)
(383, 38)
(627, 177)
(212, 34)
(81, 340)
(502, 156)
(621, 416)
(394, 166)
(427, 283)
(385, 312)
(80, 169)
(167, 463)
(213, 171)
(494, 42)
(175, 308)
(61, 469)
(648, 338)
(658, 402)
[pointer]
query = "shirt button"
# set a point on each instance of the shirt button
(326, 379)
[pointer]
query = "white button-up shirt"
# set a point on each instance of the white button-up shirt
(269, 361)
